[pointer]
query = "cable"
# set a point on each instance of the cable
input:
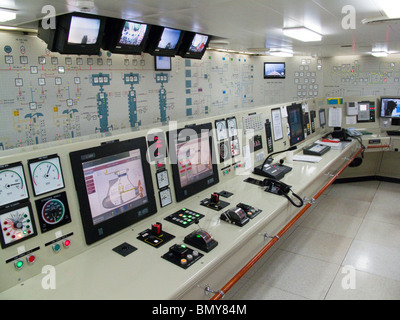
(291, 201)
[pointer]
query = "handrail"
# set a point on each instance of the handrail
(268, 246)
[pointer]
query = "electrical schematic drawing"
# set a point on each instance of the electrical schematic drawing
(132, 79)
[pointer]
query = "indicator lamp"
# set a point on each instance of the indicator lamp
(18, 264)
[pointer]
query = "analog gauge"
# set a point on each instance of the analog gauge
(232, 127)
(165, 197)
(12, 184)
(162, 179)
(17, 224)
(46, 174)
(220, 126)
(224, 153)
(53, 211)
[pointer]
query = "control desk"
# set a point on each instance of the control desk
(98, 219)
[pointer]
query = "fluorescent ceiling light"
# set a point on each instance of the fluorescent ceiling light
(379, 54)
(286, 53)
(7, 15)
(391, 8)
(302, 33)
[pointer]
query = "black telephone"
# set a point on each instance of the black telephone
(280, 188)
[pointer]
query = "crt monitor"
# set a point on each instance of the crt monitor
(75, 33)
(194, 45)
(125, 37)
(390, 107)
(114, 187)
(164, 41)
(274, 70)
(192, 157)
(296, 123)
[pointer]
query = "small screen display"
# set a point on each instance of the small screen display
(274, 70)
(198, 44)
(169, 39)
(295, 120)
(390, 107)
(83, 30)
(163, 63)
(114, 184)
(194, 160)
(132, 34)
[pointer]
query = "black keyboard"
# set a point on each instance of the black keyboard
(393, 133)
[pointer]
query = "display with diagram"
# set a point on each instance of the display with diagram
(114, 186)
(193, 163)
(46, 174)
(12, 184)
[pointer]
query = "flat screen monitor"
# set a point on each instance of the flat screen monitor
(274, 70)
(125, 37)
(164, 41)
(75, 33)
(114, 187)
(192, 156)
(194, 45)
(162, 63)
(322, 118)
(296, 123)
(390, 107)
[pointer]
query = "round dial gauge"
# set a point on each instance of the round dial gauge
(53, 211)
(165, 197)
(12, 185)
(232, 127)
(46, 175)
(221, 130)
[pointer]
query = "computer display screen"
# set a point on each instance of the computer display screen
(114, 186)
(296, 123)
(83, 30)
(192, 160)
(390, 107)
(322, 118)
(274, 70)
(169, 39)
(199, 43)
(162, 63)
(132, 33)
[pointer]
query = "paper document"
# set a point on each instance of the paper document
(335, 117)
(307, 158)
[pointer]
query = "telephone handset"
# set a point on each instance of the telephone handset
(280, 188)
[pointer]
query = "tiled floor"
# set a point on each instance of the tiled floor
(347, 246)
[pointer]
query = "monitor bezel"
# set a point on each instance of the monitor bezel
(182, 193)
(112, 37)
(155, 38)
(381, 107)
(298, 108)
(63, 26)
(187, 42)
(94, 233)
(274, 77)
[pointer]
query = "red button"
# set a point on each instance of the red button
(66, 243)
(31, 258)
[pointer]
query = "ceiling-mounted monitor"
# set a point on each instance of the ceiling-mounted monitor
(125, 37)
(194, 45)
(164, 41)
(75, 33)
